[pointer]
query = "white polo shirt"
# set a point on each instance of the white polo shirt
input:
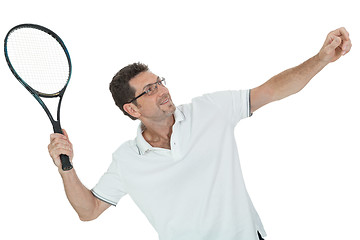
(195, 191)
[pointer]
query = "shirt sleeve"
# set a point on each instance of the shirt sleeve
(234, 105)
(110, 187)
(241, 101)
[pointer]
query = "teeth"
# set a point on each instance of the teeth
(163, 102)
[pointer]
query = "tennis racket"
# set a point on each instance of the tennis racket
(40, 61)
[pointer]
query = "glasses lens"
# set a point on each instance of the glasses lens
(151, 89)
(163, 82)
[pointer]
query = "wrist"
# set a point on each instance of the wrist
(65, 173)
(319, 61)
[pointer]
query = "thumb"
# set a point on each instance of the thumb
(65, 133)
(334, 44)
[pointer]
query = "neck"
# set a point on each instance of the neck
(158, 131)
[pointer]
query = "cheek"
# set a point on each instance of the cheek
(148, 106)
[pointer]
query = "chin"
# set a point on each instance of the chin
(169, 108)
(172, 108)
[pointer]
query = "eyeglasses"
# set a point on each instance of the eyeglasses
(151, 88)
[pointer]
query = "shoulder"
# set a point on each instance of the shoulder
(221, 97)
(127, 149)
(232, 104)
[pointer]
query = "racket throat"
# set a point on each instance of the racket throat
(57, 127)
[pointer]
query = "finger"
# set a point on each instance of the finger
(65, 134)
(60, 143)
(333, 44)
(55, 136)
(346, 46)
(55, 154)
(344, 34)
(52, 136)
(341, 32)
(55, 149)
(64, 151)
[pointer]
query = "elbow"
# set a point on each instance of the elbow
(87, 218)
(89, 213)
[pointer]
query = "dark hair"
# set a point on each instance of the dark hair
(120, 88)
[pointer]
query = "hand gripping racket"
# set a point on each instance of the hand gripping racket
(40, 61)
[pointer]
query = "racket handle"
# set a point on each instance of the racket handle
(65, 162)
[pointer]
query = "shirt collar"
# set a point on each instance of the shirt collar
(142, 145)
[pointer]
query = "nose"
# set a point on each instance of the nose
(163, 92)
(162, 89)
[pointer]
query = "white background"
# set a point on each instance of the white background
(300, 156)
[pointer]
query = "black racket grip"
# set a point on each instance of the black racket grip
(65, 162)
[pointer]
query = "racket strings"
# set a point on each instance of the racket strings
(38, 59)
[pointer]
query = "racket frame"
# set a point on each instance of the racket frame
(66, 165)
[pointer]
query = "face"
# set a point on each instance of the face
(154, 107)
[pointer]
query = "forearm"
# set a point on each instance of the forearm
(80, 198)
(291, 81)
(294, 79)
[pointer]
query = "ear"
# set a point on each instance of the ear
(131, 109)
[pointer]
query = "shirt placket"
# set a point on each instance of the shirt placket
(174, 142)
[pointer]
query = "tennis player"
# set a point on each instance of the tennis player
(182, 169)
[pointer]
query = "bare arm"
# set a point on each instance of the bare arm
(87, 206)
(294, 79)
(81, 199)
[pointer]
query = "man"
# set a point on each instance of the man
(182, 170)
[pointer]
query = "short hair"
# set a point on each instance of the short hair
(120, 88)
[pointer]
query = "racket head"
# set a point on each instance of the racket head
(39, 59)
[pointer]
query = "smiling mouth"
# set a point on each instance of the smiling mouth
(165, 101)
